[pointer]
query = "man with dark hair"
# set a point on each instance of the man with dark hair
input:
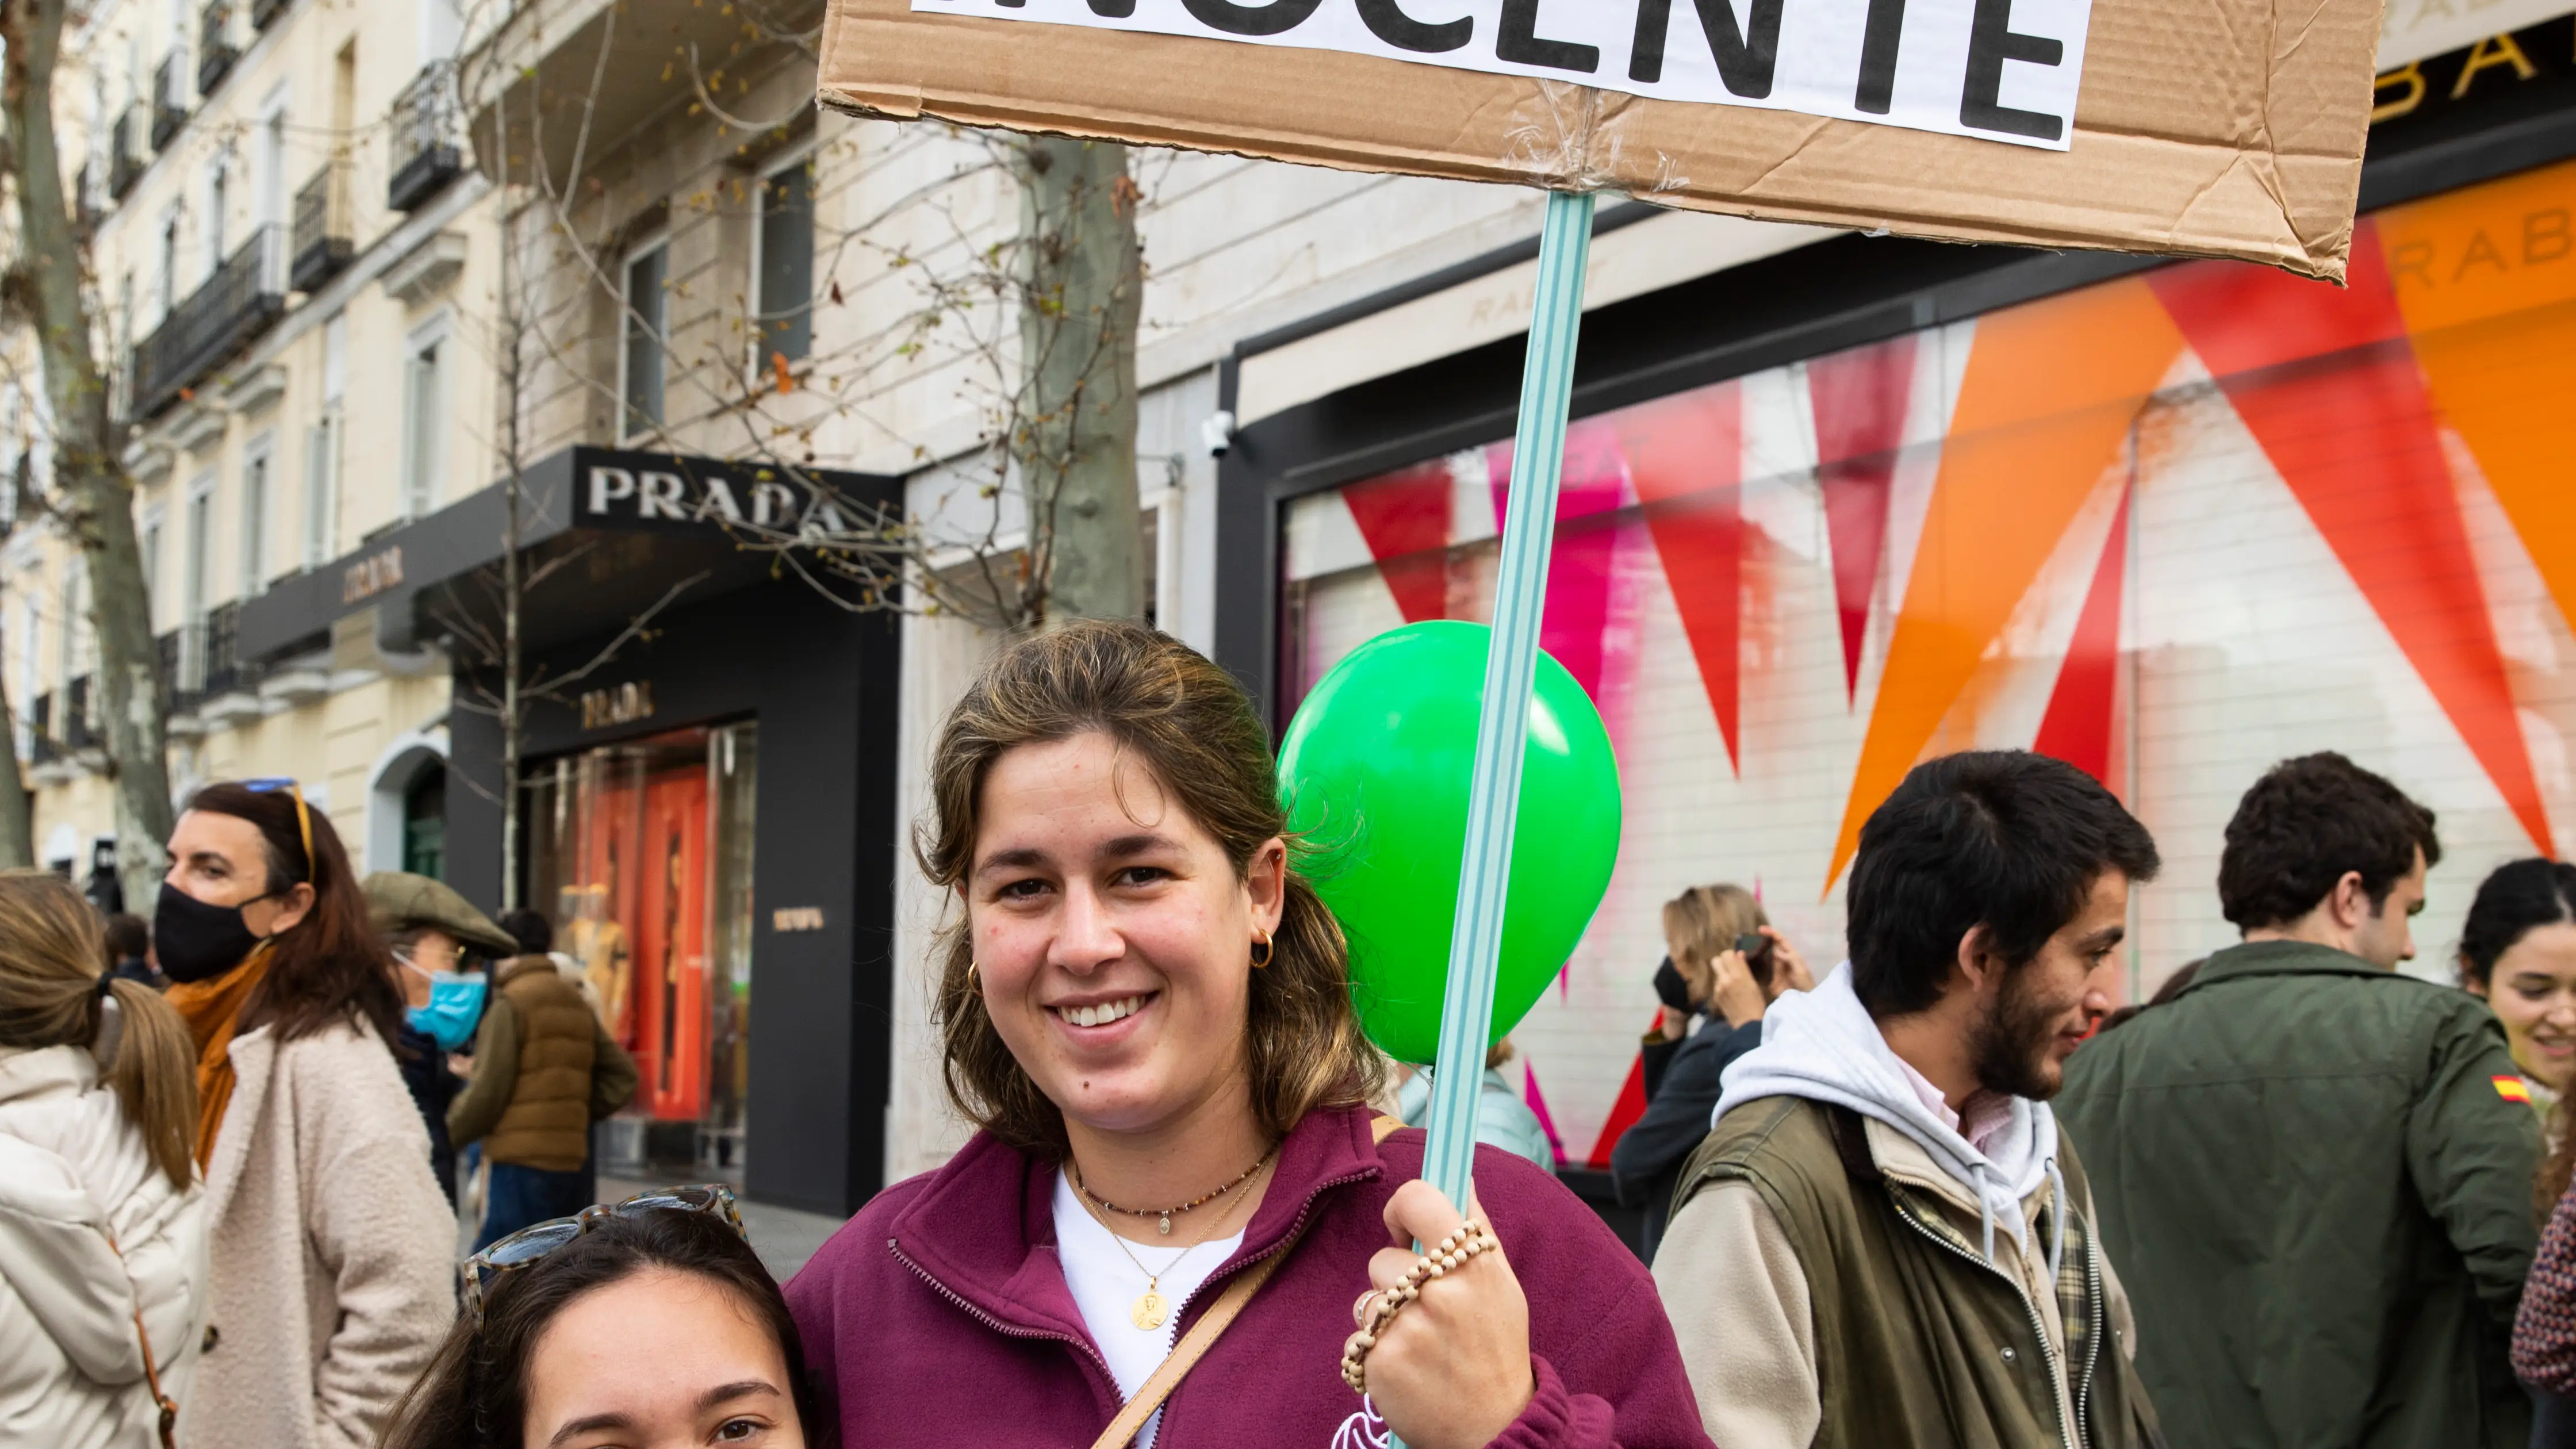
(129, 951)
(1886, 1240)
(2318, 1172)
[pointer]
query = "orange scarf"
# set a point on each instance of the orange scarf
(212, 1008)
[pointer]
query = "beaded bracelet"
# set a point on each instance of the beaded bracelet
(1377, 1309)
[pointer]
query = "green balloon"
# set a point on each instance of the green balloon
(1374, 773)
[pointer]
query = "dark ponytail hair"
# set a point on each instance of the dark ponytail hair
(2518, 897)
(328, 967)
(474, 1394)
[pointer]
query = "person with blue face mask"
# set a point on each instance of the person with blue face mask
(439, 943)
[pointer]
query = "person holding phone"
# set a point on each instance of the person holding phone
(1732, 964)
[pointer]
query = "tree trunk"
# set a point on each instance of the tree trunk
(95, 496)
(1082, 274)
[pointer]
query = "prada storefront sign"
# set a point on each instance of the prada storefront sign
(646, 489)
(576, 489)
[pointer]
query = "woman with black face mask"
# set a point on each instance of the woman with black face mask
(330, 1244)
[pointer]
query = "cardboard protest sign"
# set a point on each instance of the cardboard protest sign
(2211, 127)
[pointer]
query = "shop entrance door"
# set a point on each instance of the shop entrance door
(642, 854)
(670, 947)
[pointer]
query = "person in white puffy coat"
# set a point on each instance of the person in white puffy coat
(102, 1223)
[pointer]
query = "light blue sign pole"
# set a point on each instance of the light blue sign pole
(1502, 735)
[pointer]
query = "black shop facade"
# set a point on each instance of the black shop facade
(705, 780)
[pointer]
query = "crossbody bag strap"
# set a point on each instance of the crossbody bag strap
(151, 1372)
(1203, 1334)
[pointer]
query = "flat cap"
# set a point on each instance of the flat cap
(398, 900)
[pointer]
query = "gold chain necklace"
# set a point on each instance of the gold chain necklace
(1165, 1214)
(1152, 1310)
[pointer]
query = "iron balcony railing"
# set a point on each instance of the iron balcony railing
(169, 97)
(183, 666)
(40, 731)
(236, 304)
(324, 237)
(225, 670)
(264, 11)
(428, 132)
(216, 51)
(79, 731)
(125, 165)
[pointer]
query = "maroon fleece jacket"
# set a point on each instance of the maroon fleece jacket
(939, 1316)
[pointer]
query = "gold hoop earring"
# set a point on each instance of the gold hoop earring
(1262, 961)
(971, 983)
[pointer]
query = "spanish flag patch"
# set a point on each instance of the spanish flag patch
(2513, 1089)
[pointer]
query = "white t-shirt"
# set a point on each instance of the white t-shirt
(1106, 1286)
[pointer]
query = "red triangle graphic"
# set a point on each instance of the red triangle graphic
(2077, 727)
(2327, 381)
(1623, 1115)
(1859, 399)
(1404, 516)
(1686, 461)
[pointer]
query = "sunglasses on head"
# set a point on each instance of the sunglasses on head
(530, 1244)
(303, 816)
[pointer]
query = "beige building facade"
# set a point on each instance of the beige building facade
(292, 266)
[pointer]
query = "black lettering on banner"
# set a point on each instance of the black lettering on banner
(1520, 42)
(1991, 42)
(1388, 22)
(2411, 259)
(1745, 60)
(1105, 9)
(2480, 252)
(1878, 40)
(2544, 235)
(1276, 18)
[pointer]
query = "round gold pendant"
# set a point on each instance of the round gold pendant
(1150, 1311)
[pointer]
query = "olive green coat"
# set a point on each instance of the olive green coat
(1920, 1342)
(2319, 1200)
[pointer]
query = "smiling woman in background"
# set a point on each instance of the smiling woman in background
(2518, 950)
(1147, 1010)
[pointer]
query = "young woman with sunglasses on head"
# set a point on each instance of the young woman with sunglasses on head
(102, 1228)
(329, 1238)
(648, 1324)
(1147, 1010)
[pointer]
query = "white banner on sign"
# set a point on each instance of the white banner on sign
(2001, 70)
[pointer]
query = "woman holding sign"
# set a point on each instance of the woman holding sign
(1179, 1224)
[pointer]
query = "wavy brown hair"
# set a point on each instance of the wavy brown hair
(1185, 719)
(50, 955)
(330, 966)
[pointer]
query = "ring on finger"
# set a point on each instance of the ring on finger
(1360, 1309)
(1378, 1308)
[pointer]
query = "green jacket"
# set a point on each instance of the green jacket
(2319, 1200)
(1920, 1342)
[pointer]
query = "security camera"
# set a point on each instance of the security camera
(1217, 433)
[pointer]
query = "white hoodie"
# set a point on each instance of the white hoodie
(92, 1234)
(1824, 1046)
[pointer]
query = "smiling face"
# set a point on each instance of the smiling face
(1113, 937)
(2041, 1011)
(2533, 992)
(659, 1359)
